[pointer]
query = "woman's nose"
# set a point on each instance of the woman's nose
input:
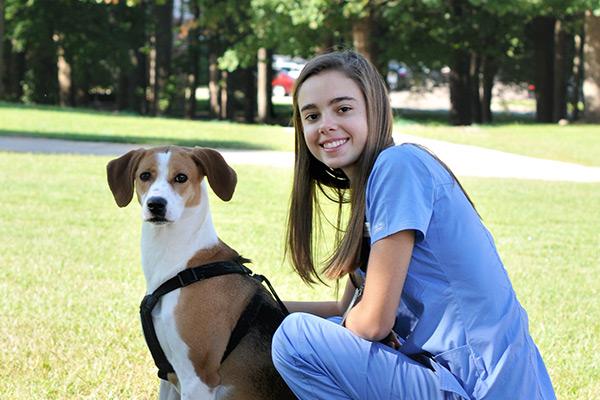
(328, 124)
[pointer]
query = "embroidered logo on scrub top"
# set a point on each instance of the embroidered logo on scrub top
(378, 227)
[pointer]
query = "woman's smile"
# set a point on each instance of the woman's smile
(334, 144)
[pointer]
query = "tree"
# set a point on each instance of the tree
(33, 29)
(475, 38)
(264, 87)
(161, 42)
(542, 33)
(591, 87)
(2, 63)
(193, 72)
(224, 25)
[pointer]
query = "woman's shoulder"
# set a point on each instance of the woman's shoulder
(413, 157)
(402, 154)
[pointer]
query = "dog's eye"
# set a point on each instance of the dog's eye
(145, 176)
(181, 178)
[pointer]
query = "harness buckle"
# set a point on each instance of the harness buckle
(185, 278)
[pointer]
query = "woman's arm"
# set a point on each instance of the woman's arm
(324, 309)
(373, 317)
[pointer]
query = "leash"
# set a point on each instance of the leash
(192, 275)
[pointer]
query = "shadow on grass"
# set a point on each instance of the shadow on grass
(132, 139)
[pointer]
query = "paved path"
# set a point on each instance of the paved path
(464, 160)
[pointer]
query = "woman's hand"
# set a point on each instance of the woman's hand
(324, 309)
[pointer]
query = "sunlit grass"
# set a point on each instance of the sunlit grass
(573, 143)
(71, 276)
(77, 124)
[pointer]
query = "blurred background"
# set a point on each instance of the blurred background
(238, 60)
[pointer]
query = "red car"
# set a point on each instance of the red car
(283, 84)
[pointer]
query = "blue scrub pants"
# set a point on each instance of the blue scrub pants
(319, 359)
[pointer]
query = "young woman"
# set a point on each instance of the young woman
(436, 316)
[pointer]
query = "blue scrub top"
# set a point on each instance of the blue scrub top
(457, 302)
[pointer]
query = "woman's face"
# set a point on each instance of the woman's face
(334, 119)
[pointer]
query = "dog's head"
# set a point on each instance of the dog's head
(168, 179)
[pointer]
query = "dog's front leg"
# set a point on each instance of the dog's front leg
(168, 391)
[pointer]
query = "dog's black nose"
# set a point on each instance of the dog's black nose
(157, 206)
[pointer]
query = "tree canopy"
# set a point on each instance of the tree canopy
(149, 57)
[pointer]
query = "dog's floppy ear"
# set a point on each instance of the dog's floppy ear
(121, 176)
(221, 177)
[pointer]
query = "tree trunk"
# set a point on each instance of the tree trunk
(42, 58)
(138, 75)
(64, 80)
(43, 61)
(152, 94)
(214, 87)
(2, 62)
(591, 85)
(249, 87)
(474, 72)
(577, 76)
(561, 71)
(489, 69)
(163, 14)
(460, 80)
(543, 52)
(265, 88)
(361, 37)
(139, 89)
(224, 96)
(194, 59)
(460, 89)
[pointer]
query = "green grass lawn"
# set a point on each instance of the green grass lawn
(81, 124)
(71, 276)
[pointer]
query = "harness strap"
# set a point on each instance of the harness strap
(185, 278)
(263, 279)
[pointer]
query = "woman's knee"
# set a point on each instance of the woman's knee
(291, 337)
(288, 333)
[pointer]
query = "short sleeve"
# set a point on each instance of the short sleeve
(400, 194)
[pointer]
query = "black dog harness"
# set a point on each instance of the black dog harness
(192, 275)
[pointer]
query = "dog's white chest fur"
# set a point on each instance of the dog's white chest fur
(165, 252)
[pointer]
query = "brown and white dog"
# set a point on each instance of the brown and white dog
(193, 324)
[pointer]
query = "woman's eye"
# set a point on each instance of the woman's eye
(310, 117)
(181, 178)
(145, 176)
(345, 109)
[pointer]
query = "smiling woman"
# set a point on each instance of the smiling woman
(434, 314)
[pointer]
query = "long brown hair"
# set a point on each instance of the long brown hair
(311, 176)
